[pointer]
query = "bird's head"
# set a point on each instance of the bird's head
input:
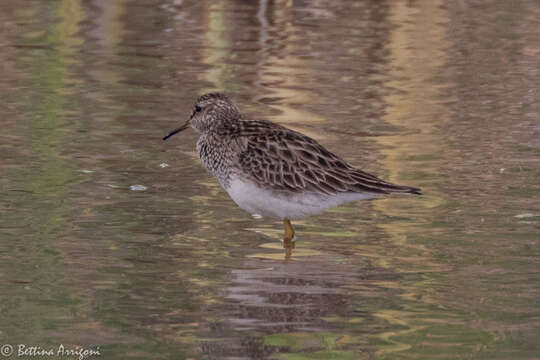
(210, 111)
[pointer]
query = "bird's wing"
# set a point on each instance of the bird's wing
(284, 159)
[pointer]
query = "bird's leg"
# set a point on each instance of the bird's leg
(289, 238)
(289, 230)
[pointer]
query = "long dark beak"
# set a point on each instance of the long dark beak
(176, 131)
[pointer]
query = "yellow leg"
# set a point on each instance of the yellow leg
(288, 239)
(289, 230)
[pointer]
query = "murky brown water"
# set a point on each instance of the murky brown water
(440, 95)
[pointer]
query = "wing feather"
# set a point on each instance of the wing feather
(284, 159)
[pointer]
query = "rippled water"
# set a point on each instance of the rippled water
(112, 238)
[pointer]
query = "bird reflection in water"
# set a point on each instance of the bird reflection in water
(288, 245)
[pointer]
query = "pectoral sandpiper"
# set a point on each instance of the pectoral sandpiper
(271, 170)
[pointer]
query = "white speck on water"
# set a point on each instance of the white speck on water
(86, 171)
(501, 170)
(256, 216)
(526, 215)
(113, 186)
(163, 165)
(138, 187)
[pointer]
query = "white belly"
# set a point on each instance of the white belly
(265, 202)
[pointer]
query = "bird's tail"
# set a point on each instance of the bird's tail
(371, 183)
(404, 189)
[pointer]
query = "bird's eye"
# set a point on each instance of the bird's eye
(198, 108)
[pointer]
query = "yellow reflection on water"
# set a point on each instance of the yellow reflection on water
(411, 72)
(280, 70)
(283, 72)
(218, 52)
(415, 59)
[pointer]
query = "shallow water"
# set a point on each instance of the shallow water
(112, 239)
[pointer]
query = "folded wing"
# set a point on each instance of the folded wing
(287, 160)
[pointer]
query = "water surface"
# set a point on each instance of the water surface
(112, 238)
